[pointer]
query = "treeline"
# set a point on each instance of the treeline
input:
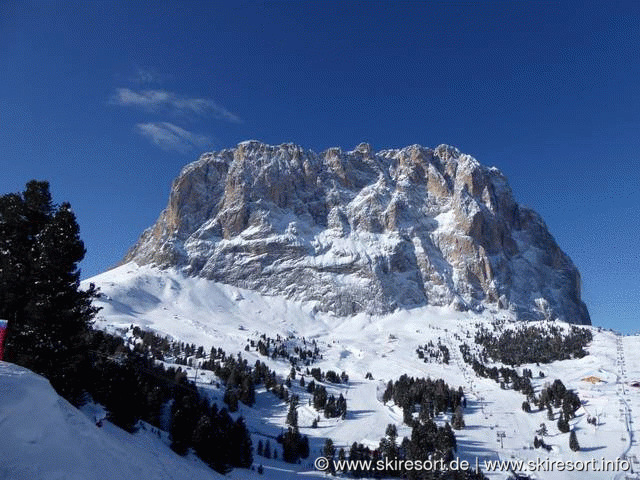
(49, 331)
(134, 387)
(533, 344)
(558, 396)
(330, 376)
(294, 445)
(434, 353)
(322, 401)
(508, 378)
(433, 397)
(554, 395)
(428, 440)
(286, 348)
(239, 378)
(567, 401)
(162, 348)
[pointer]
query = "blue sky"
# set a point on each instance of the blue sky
(109, 100)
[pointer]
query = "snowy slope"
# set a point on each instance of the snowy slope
(43, 437)
(206, 313)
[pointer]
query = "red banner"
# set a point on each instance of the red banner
(3, 333)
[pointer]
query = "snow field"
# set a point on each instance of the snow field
(205, 313)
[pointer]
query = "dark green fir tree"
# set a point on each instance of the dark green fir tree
(49, 315)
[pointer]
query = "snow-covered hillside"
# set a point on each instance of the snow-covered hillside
(199, 311)
(43, 437)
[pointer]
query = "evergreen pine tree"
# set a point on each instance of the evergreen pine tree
(304, 447)
(49, 316)
(290, 445)
(267, 449)
(292, 415)
(231, 399)
(241, 445)
(341, 407)
(423, 437)
(563, 424)
(447, 439)
(549, 412)
(183, 422)
(388, 393)
(573, 442)
(388, 444)
(203, 441)
(457, 421)
(248, 391)
(328, 451)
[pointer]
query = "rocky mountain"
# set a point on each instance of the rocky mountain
(363, 231)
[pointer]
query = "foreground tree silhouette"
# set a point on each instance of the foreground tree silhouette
(49, 316)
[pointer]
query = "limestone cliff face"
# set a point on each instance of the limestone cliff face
(363, 231)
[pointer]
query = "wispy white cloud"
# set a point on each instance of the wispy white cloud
(170, 137)
(160, 100)
(146, 76)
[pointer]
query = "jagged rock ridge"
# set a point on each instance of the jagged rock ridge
(363, 231)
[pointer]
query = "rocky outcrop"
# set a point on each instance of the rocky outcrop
(363, 231)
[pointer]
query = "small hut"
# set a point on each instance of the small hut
(592, 379)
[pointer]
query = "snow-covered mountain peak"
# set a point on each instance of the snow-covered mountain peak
(363, 231)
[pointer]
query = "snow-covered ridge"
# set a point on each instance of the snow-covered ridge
(363, 231)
